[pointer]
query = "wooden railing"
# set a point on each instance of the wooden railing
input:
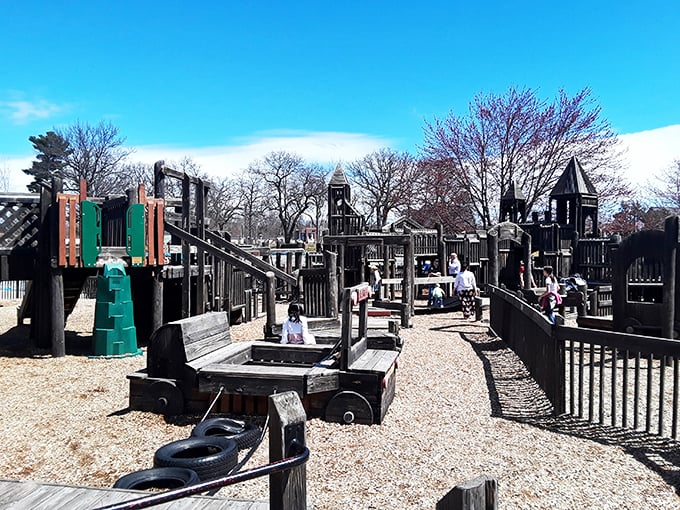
(622, 380)
(530, 335)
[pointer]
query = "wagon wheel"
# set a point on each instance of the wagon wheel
(164, 397)
(349, 407)
(630, 325)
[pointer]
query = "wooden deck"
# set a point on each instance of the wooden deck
(47, 496)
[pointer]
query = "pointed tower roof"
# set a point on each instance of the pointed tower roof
(514, 193)
(573, 181)
(338, 178)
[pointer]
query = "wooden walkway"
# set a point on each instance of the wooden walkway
(18, 495)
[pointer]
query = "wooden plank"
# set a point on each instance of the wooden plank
(14, 491)
(252, 379)
(320, 379)
(289, 353)
(237, 354)
(622, 341)
(366, 361)
(375, 360)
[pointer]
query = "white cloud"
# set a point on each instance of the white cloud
(22, 112)
(219, 161)
(12, 166)
(650, 152)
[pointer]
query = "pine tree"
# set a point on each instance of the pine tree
(53, 151)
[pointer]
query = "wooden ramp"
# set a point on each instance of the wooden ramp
(46, 496)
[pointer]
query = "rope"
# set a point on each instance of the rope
(219, 394)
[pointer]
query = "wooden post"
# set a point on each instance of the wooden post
(289, 270)
(270, 297)
(40, 322)
(186, 249)
(441, 248)
(57, 312)
(492, 247)
(288, 489)
(158, 179)
(668, 278)
(248, 312)
(341, 269)
(331, 263)
(200, 195)
(409, 278)
(477, 494)
(157, 298)
(526, 245)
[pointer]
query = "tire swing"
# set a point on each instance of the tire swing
(210, 457)
(246, 435)
(160, 478)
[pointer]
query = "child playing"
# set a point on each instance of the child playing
(295, 329)
(438, 296)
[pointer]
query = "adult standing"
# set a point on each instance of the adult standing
(376, 279)
(454, 265)
(466, 287)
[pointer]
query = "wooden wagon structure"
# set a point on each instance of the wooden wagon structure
(192, 361)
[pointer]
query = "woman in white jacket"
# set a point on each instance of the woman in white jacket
(295, 329)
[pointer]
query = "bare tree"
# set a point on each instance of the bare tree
(134, 174)
(252, 204)
(385, 181)
(439, 198)
(318, 193)
(4, 178)
(516, 137)
(665, 189)
(97, 155)
(224, 202)
(289, 184)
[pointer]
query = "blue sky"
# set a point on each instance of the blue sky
(225, 82)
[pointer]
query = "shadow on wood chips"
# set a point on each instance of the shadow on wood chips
(514, 395)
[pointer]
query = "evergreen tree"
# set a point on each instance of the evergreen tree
(53, 151)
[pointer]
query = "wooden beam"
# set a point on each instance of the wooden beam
(252, 259)
(213, 250)
(366, 240)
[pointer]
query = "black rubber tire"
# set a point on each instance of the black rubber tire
(162, 478)
(245, 434)
(210, 457)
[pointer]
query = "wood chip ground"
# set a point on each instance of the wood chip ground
(464, 407)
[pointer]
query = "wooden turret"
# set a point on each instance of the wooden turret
(342, 218)
(513, 205)
(575, 199)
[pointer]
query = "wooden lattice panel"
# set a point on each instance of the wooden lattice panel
(19, 222)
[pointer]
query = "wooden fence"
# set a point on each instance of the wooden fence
(618, 379)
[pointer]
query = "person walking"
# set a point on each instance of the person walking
(466, 287)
